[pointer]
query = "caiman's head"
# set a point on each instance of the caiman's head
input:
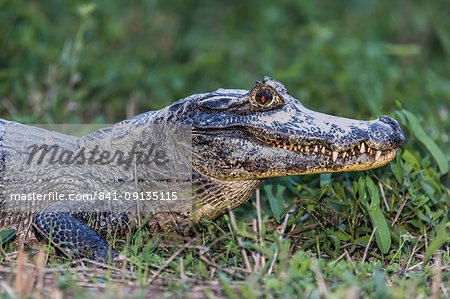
(265, 132)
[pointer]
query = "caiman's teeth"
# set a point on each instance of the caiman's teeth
(335, 155)
(377, 156)
(308, 149)
(363, 148)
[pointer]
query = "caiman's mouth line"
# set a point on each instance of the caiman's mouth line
(357, 150)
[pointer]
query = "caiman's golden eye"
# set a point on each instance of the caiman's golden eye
(264, 97)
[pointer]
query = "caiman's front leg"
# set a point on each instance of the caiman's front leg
(79, 234)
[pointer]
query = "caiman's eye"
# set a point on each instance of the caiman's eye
(264, 97)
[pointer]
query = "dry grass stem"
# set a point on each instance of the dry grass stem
(368, 244)
(166, 263)
(239, 239)
(275, 254)
(412, 252)
(437, 279)
(339, 258)
(397, 216)
(383, 196)
(319, 278)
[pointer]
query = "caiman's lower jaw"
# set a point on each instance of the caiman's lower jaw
(359, 157)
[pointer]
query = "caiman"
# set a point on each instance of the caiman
(239, 138)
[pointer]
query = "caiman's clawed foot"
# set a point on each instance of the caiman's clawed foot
(74, 238)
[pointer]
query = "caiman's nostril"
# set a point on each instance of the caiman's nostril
(399, 136)
(389, 121)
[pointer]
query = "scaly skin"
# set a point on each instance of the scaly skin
(239, 138)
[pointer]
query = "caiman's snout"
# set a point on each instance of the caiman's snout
(397, 138)
(384, 134)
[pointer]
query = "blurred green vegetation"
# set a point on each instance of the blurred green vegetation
(103, 61)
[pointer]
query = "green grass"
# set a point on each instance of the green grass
(102, 62)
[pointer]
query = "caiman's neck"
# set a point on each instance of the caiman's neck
(212, 197)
